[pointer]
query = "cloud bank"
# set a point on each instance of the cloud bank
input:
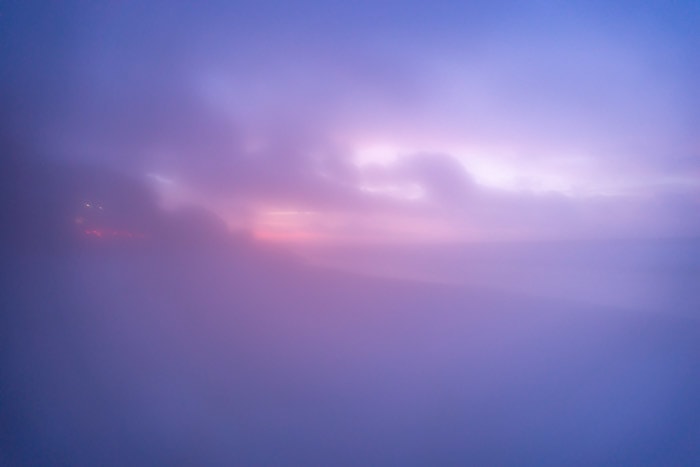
(483, 121)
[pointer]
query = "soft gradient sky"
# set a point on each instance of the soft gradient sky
(375, 121)
(392, 148)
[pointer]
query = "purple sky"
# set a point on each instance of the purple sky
(392, 148)
(375, 121)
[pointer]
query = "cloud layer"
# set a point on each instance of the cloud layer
(496, 120)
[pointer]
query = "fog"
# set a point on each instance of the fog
(364, 233)
(650, 275)
(185, 344)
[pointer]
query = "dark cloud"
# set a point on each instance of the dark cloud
(50, 206)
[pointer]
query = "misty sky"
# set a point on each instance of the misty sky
(374, 121)
(349, 232)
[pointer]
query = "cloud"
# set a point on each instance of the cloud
(222, 100)
(441, 175)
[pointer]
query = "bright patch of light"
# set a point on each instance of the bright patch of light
(489, 172)
(408, 191)
(568, 174)
(385, 155)
(497, 168)
(284, 224)
(493, 173)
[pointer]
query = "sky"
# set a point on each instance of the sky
(319, 121)
(276, 233)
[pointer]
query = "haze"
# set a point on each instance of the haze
(373, 233)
